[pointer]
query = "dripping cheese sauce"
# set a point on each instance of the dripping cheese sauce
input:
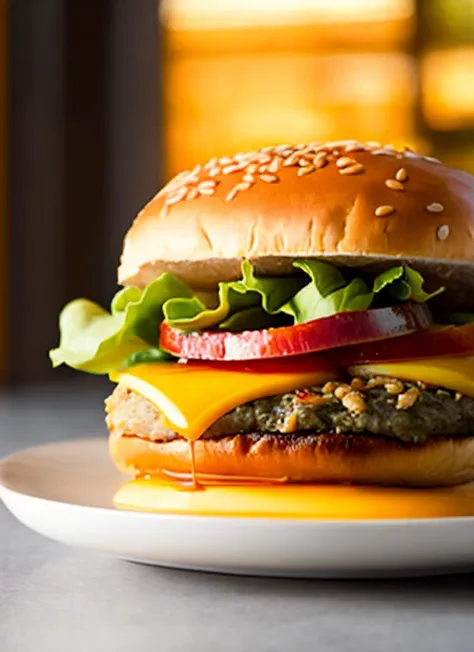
(172, 389)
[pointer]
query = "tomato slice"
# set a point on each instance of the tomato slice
(436, 342)
(318, 335)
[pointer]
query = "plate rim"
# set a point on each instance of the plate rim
(6, 489)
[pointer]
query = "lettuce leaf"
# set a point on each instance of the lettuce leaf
(404, 283)
(329, 293)
(267, 294)
(98, 341)
(152, 355)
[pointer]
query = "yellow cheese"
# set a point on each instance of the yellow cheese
(193, 396)
(453, 373)
(298, 501)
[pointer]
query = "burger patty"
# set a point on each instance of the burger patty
(406, 411)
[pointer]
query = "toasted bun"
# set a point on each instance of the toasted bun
(355, 459)
(288, 201)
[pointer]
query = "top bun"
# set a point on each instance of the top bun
(346, 202)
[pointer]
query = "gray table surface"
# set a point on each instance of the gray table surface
(57, 599)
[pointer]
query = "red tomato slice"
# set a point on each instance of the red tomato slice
(437, 342)
(318, 335)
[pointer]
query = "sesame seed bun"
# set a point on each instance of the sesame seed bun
(354, 459)
(352, 204)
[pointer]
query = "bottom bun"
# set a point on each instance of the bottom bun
(353, 459)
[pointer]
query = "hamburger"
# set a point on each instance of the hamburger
(296, 314)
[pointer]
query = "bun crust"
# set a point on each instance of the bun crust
(316, 201)
(354, 459)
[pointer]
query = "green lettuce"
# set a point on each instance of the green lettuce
(99, 341)
(404, 283)
(247, 299)
(329, 293)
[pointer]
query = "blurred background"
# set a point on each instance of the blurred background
(102, 100)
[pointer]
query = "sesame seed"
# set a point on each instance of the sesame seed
(383, 211)
(320, 162)
(268, 150)
(401, 175)
(373, 143)
(344, 161)
(226, 160)
(292, 160)
(192, 194)
(383, 152)
(211, 163)
(207, 190)
(306, 170)
(269, 178)
(229, 169)
(263, 168)
(175, 198)
(356, 147)
(243, 185)
(303, 162)
(432, 159)
(207, 183)
(214, 171)
(253, 167)
(443, 232)
(352, 169)
(233, 193)
(266, 158)
(408, 153)
(275, 164)
(249, 178)
(435, 207)
(394, 185)
(281, 148)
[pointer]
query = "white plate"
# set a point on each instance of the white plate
(64, 491)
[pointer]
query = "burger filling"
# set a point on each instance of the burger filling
(388, 407)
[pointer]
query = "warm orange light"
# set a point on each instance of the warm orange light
(222, 14)
(448, 88)
(285, 97)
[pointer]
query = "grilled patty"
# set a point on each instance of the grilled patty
(408, 412)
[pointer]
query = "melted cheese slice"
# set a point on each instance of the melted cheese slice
(453, 373)
(193, 397)
(298, 501)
